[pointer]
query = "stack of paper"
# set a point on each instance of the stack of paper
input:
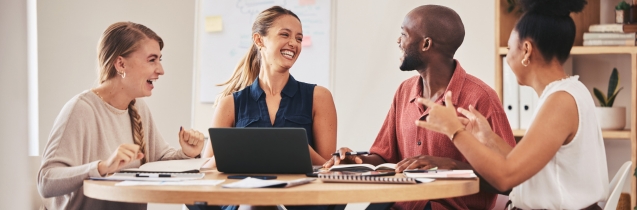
(161, 183)
(170, 166)
(134, 177)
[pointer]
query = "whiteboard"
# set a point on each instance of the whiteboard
(220, 51)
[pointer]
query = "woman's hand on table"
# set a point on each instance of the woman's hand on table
(125, 154)
(191, 142)
(342, 158)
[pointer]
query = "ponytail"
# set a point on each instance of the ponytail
(244, 74)
(250, 65)
(138, 130)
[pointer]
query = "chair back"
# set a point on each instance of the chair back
(616, 185)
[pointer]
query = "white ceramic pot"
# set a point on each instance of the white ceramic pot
(611, 118)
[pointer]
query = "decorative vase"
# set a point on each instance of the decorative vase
(611, 118)
(622, 16)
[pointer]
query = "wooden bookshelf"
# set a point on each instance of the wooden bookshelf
(588, 50)
(504, 23)
(620, 134)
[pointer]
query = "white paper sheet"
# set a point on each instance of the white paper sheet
(183, 183)
(172, 166)
(259, 183)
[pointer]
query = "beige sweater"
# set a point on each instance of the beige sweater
(84, 133)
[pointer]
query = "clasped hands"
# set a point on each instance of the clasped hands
(191, 142)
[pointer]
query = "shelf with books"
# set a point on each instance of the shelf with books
(607, 134)
(590, 50)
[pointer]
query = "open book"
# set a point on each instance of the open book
(170, 166)
(363, 167)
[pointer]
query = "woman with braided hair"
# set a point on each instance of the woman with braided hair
(108, 128)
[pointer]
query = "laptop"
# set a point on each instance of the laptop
(261, 150)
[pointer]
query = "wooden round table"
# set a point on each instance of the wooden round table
(315, 193)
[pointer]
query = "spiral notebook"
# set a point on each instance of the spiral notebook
(327, 178)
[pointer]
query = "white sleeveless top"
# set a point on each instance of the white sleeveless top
(576, 176)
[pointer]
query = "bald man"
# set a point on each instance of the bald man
(429, 39)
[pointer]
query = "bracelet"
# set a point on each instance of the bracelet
(456, 132)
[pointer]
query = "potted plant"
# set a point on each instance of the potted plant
(622, 12)
(609, 117)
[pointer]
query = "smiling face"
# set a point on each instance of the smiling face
(282, 45)
(409, 45)
(515, 56)
(142, 68)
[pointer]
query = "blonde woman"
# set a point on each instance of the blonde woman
(262, 93)
(107, 128)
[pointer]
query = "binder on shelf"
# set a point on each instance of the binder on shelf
(528, 99)
(510, 93)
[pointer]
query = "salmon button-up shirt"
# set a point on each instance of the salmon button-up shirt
(400, 138)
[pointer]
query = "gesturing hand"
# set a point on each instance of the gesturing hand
(125, 154)
(476, 124)
(191, 142)
(442, 119)
(345, 159)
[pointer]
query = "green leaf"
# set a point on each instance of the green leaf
(600, 97)
(613, 82)
(622, 6)
(611, 99)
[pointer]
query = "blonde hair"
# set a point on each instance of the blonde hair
(248, 68)
(120, 39)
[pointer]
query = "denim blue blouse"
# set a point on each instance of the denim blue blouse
(295, 108)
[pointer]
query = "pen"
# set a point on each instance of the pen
(352, 153)
(154, 175)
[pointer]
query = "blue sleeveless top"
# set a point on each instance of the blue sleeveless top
(295, 108)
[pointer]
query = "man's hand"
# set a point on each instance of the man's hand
(344, 159)
(125, 154)
(425, 162)
(191, 142)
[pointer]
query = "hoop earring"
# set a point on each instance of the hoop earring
(123, 74)
(527, 64)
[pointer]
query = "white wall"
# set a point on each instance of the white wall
(68, 35)
(366, 73)
(14, 187)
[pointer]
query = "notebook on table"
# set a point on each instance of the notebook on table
(327, 178)
(169, 170)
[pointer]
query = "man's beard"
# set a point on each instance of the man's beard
(411, 61)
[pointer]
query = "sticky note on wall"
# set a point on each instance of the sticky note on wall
(307, 41)
(214, 23)
(306, 2)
